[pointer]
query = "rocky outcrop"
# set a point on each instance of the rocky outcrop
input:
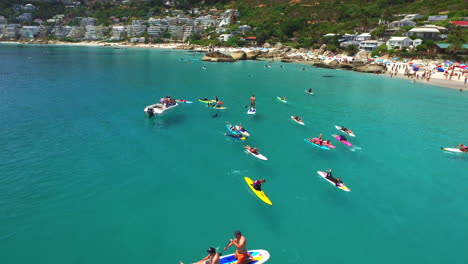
(252, 55)
(323, 65)
(217, 56)
(346, 66)
(361, 56)
(371, 68)
(238, 55)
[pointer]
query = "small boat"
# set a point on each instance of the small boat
(159, 108)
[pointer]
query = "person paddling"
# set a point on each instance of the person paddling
(297, 118)
(240, 242)
(463, 148)
(310, 90)
(257, 185)
(252, 102)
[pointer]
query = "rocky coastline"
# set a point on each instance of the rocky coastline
(318, 58)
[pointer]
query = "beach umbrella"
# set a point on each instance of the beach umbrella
(376, 56)
(380, 60)
(440, 70)
(405, 59)
(395, 58)
(415, 68)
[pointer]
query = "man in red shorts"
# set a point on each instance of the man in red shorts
(241, 253)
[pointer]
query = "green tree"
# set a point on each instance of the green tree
(351, 50)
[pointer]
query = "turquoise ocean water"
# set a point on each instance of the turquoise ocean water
(85, 177)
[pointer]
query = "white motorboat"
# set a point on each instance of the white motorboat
(159, 108)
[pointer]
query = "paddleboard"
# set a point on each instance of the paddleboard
(206, 101)
(219, 107)
(325, 144)
(453, 150)
(339, 128)
(260, 194)
(259, 256)
(236, 136)
(308, 92)
(341, 186)
(184, 101)
(318, 146)
(232, 129)
(347, 143)
(258, 155)
(251, 111)
(299, 122)
(281, 100)
(243, 132)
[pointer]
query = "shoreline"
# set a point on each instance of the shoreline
(436, 79)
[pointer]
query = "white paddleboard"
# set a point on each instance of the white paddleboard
(252, 111)
(341, 186)
(339, 128)
(258, 156)
(301, 123)
(453, 150)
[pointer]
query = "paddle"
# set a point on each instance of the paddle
(225, 249)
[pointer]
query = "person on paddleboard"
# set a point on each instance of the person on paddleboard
(342, 138)
(251, 150)
(212, 258)
(258, 184)
(240, 242)
(463, 148)
(338, 182)
(252, 102)
(346, 130)
(283, 98)
(310, 90)
(298, 119)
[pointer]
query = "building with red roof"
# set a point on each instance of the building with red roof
(460, 23)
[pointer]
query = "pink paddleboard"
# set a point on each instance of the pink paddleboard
(343, 141)
(325, 144)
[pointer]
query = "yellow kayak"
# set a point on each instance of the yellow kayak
(260, 194)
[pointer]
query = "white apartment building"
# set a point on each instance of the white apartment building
(29, 31)
(401, 42)
(118, 32)
(370, 45)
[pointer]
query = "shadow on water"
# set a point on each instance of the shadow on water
(165, 121)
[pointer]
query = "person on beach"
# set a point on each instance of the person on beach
(257, 185)
(212, 258)
(240, 242)
(252, 102)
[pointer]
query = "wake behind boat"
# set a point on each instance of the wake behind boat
(165, 105)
